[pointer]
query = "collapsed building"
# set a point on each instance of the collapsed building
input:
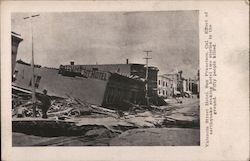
(108, 85)
(131, 70)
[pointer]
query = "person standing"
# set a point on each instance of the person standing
(45, 103)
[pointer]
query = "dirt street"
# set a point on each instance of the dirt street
(174, 125)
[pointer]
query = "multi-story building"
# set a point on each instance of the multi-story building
(165, 86)
(191, 86)
(135, 71)
(174, 86)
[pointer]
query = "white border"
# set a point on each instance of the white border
(231, 126)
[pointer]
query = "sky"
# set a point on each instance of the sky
(111, 38)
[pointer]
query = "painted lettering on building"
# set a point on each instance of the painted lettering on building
(94, 74)
(83, 72)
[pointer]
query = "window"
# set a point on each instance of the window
(37, 81)
(38, 78)
(163, 92)
(163, 83)
(159, 82)
(159, 91)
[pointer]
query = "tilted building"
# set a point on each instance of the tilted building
(131, 70)
(109, 85)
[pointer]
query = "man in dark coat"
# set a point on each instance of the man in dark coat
(45, 103)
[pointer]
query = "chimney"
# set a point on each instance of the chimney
(126, 61)
(72, 63)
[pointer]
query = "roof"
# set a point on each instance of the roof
(103, 64)
(16, 36)
(163, 76)
(14, 33)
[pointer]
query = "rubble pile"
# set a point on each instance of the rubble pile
(142, 116)
(62, 108)
(73, 117)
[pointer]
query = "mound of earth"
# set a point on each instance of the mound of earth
(158, 137)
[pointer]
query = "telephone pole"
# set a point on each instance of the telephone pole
(147, 58)
(32, 64)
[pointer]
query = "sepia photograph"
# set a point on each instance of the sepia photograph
(105, 78)
(125, 80)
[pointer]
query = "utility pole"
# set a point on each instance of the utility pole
(32, 64)
(147, 58)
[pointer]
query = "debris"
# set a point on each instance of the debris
(104, 111)
(84, 115)
(145, 114)
(60, 113)
(20, 112)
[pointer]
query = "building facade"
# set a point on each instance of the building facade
(170, 85)
(134, 71)
(174, 85)
(165, 86)
(15, 40)
(110, 90)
